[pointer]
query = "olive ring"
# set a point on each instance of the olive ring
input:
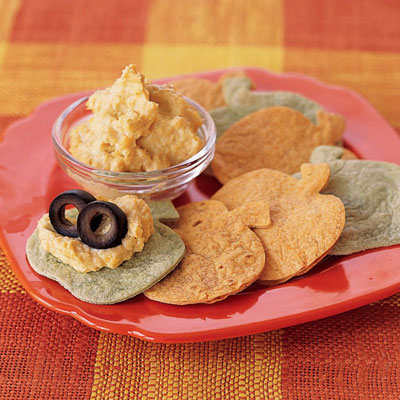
(88, 223)
(77, 198)
(91, 214)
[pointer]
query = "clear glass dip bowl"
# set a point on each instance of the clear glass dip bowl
(166, 183)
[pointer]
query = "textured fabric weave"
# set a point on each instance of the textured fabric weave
(52, 47)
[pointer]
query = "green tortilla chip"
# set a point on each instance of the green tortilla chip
(242, 100)
(323, 154)
(163, 210)
(160, 255)
(224, 118)
(370, 192)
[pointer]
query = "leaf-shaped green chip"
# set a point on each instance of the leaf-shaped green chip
(323, 154)
(160, 255)
(163, 210)
(370, 192)
(224, 118)
(242, 100)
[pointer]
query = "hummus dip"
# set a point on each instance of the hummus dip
(136, 127)
(83, 258)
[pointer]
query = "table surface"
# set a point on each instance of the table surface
(53, 47)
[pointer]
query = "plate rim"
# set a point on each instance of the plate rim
(245, 329)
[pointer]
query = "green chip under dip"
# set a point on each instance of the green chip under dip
(370, 192)
(160, 255)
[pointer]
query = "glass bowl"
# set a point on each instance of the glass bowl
(166, 183)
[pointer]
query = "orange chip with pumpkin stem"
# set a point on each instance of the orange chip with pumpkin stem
(222, 257)
(208, 94)
(254, 214)
(305, 224)
(277, 137)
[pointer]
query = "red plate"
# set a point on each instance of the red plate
(30, 178)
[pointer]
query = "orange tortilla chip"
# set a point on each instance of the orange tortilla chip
(348, 155)
(305, 224)
(277, 137)
(208, 94)
(254, 214)
(223, 256)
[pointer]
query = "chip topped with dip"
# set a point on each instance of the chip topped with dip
(84, 258)
(149, 250)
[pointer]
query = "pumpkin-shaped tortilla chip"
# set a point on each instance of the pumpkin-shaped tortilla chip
(254, 214)
(304, 224)
(223, 256)
(348, 155)
(277, 138)
(208, 94)
(243, 101)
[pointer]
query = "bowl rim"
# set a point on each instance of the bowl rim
(208, 122)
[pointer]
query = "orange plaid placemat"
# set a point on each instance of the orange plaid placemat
(53, 47)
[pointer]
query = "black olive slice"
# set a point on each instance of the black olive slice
(87, 225)
(77, 198)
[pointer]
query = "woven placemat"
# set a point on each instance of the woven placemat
(49, 48)
(46, 355)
